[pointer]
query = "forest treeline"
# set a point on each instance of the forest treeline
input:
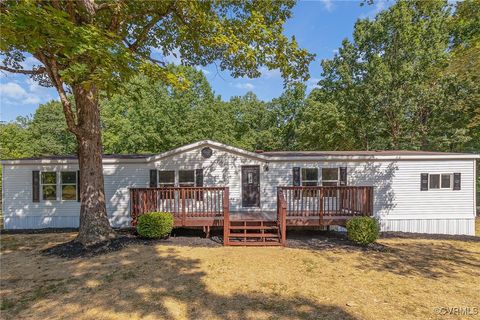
(408, 79)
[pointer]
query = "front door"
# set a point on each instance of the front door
(251, 186)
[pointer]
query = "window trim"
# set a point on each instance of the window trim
(338, 176)
(48, 184)
(69, 184)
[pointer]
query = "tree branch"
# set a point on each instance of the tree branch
(53, 72)
(146, 29)
(22, 71)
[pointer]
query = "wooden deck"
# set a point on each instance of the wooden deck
(296, 206)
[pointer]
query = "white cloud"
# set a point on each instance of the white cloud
(13, 93)
(327, 4)
(32, 100)
(269, 74)
(33, 86)
(245, 86)
(12, 90)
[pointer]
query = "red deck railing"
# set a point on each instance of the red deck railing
(187, 204)
(336, 202)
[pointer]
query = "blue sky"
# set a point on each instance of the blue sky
(319, 26)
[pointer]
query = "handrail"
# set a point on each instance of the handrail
(327, 201)
(183, 202)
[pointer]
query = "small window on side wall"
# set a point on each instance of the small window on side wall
(434, 181)
(446, 181)
(69, 185)
(49, 185)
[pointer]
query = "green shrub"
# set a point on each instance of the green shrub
(363, 230)
(155, 224)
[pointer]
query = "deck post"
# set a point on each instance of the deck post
(226, 217)
(284, 224)
(182, 195)
(320, 194)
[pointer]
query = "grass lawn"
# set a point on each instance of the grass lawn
(183, 282)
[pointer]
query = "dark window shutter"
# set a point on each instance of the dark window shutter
(457, 181)
(36, 186)
(78, 185)
(343, 176)
(424, 181)
(153, 178)
(296, 176)
(198, 177)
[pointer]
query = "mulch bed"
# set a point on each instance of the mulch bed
(179, 237)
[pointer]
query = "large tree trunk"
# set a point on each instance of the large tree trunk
(94, 224)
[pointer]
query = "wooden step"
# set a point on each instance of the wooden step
(256, 221)
(254, 235)
(252, 227)
(254, 243)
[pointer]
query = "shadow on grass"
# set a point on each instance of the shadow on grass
(156, 282)
(429, 260)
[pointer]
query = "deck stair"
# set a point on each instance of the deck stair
(253, 233)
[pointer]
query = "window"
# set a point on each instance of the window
(49, 185)
(166, 179)
(434, 181)
(186, 178)
(440, 181)
(329, 176)
(69, 185)
(309, 177)
(446, 181)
